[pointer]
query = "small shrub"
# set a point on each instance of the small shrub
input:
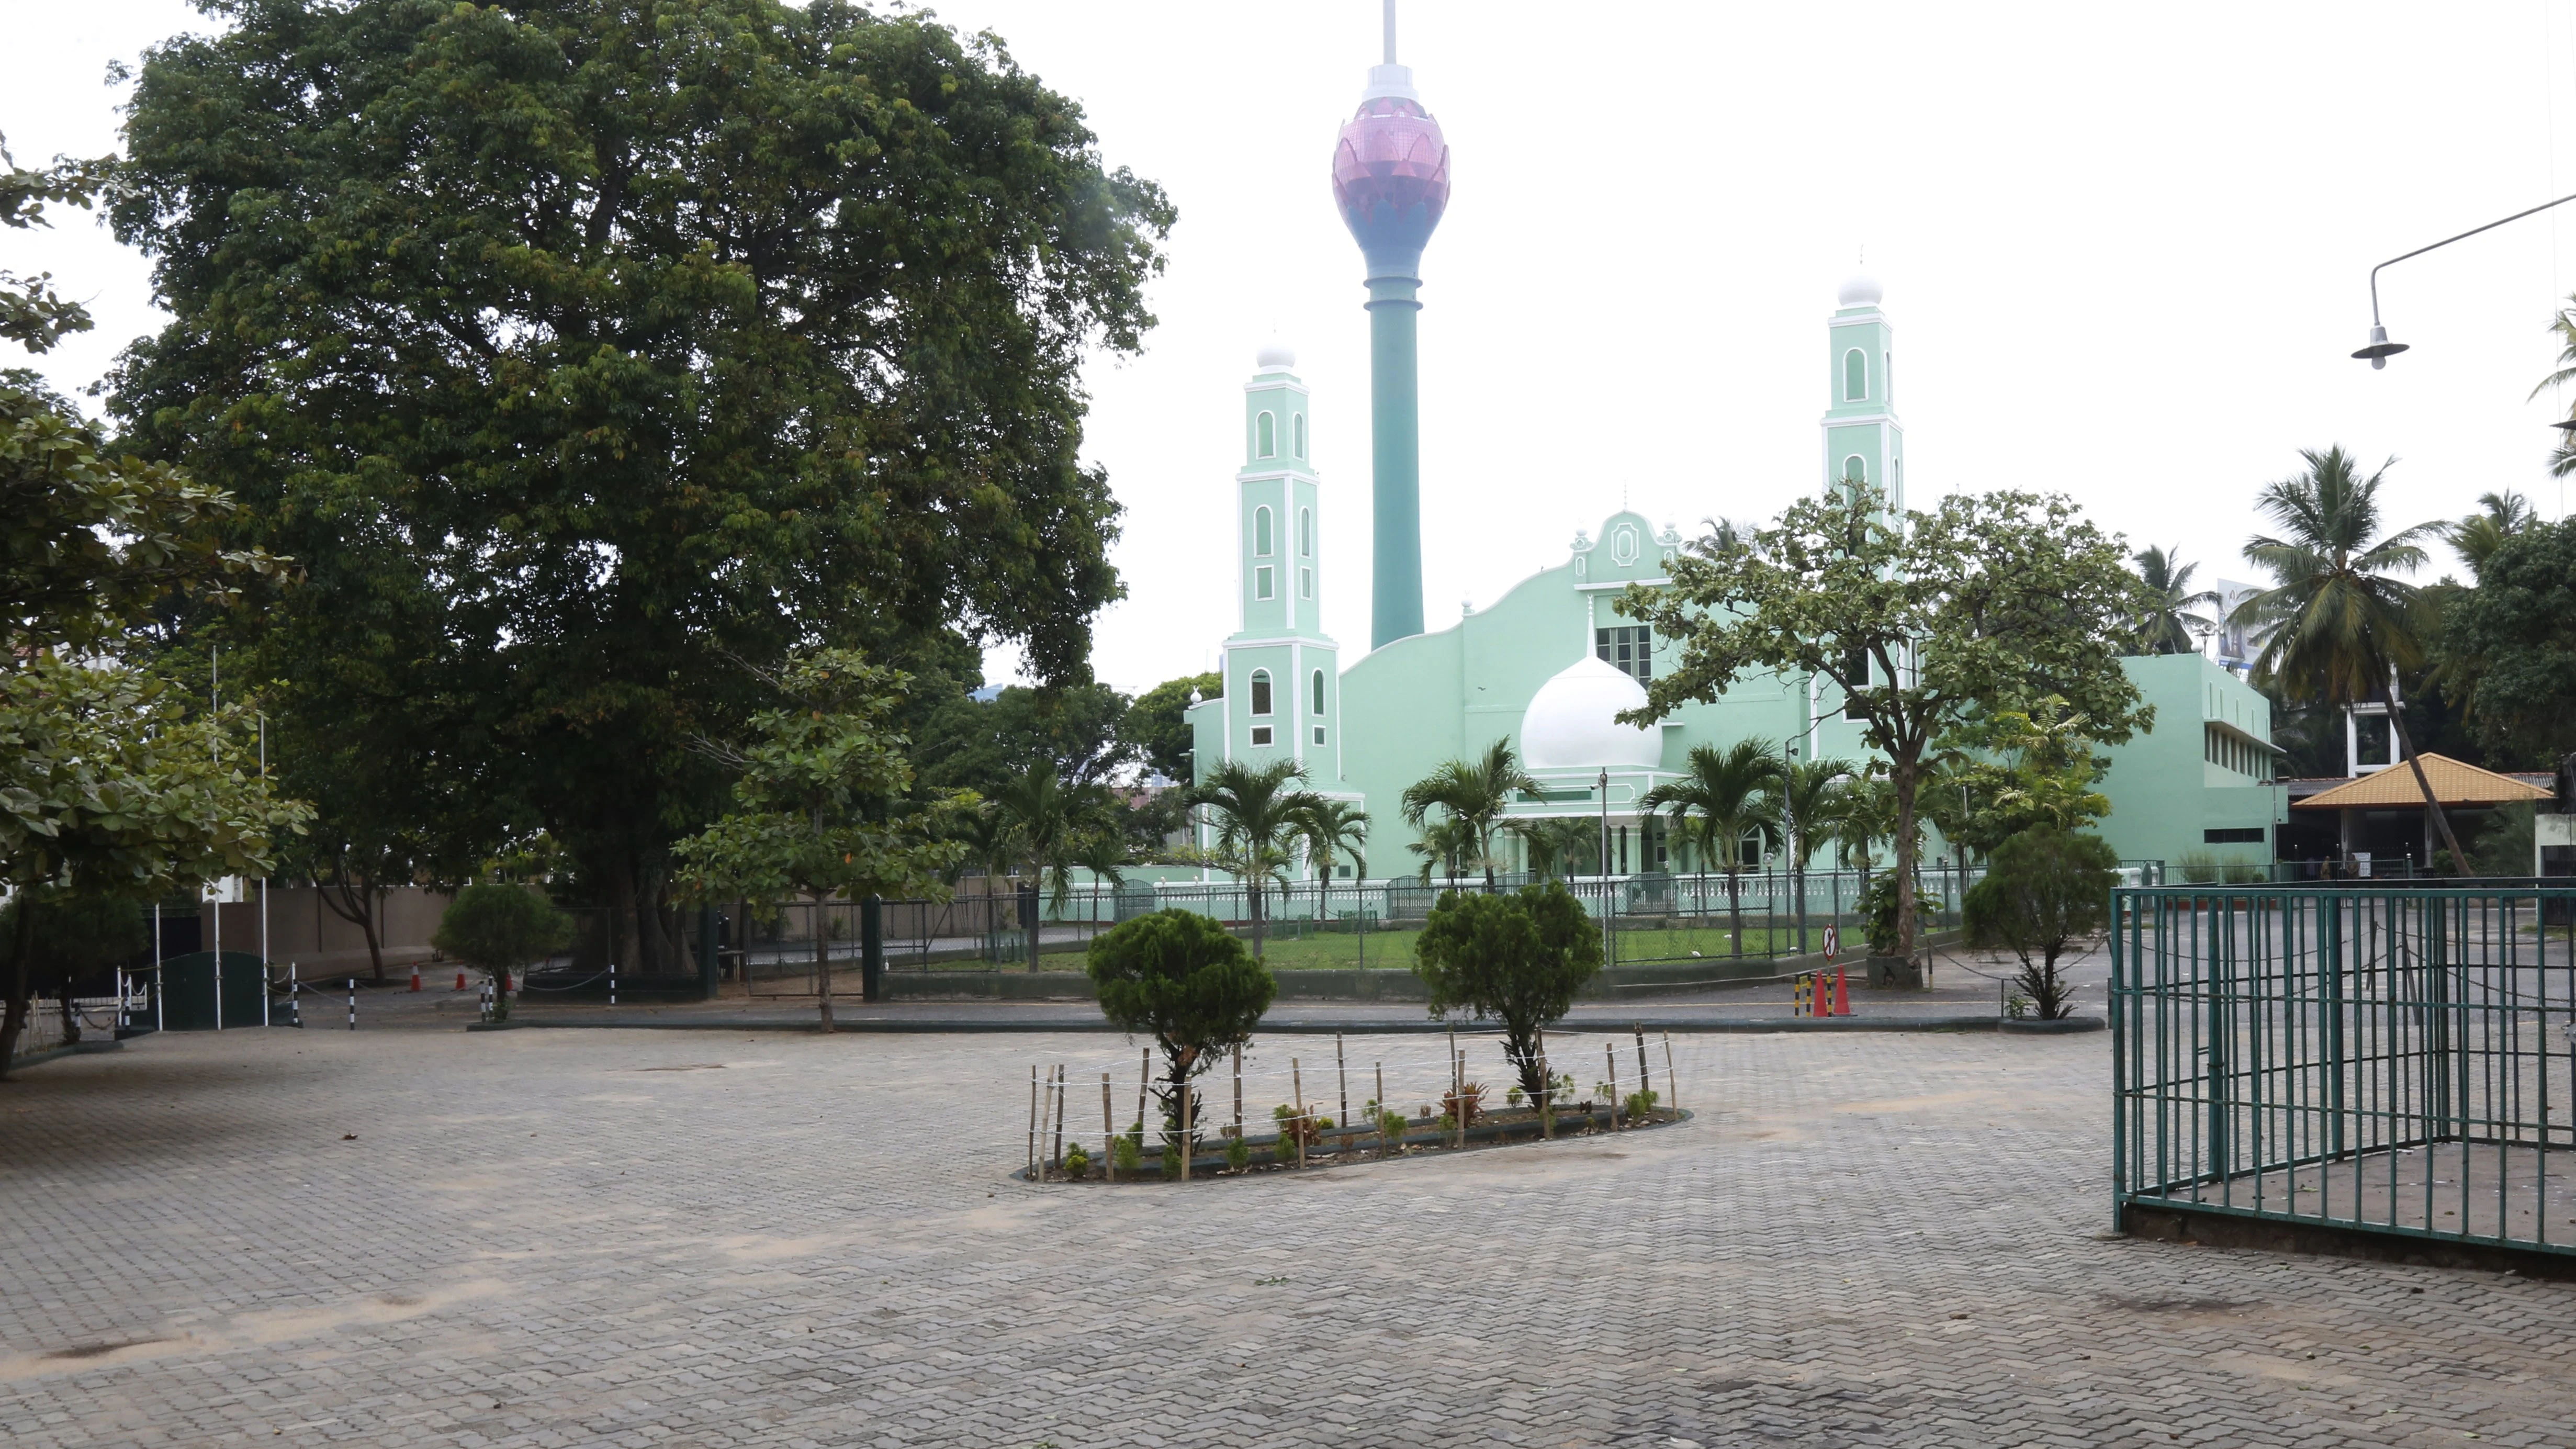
(1463, 1102)
(1129, 1152)
(2199, 867)
(1077, 1163)
(1640, 1103)
(1238, 1153)
(1448, 1123)
(1512, 1096)
(1294, 1128)
(1390, 1129)
(501, 928)
(2237, 870)
(1172, 1158)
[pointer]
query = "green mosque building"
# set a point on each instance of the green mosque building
(1551, 664)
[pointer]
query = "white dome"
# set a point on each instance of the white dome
(1572, 722)
(1275, 353)
(1860, 289)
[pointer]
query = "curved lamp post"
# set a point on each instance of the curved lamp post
(2380, 349)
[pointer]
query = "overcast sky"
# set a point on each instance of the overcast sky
(2125, 253)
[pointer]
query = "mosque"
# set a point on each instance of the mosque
(1551, 664)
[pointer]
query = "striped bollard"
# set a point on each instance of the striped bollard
(353, 1003)
(612, 984)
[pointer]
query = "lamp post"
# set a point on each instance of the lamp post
(2379, 349)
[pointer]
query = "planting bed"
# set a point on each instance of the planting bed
(1342, 1146)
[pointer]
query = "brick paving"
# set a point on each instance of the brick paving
(683, 1240)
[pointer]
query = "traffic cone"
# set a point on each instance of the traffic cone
(1842, 994)
(415, 976)
(460, 980)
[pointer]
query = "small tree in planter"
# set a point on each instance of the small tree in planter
(501, 928)
(1517, 959)
(2044, 890)
(1185, 980)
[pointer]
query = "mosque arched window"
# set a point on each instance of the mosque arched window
(1261, 533)
(1319, 692)
(1261, 691)
(1305, 533)
(1299, 428)
(1855, 375)
(1855, 469)
(1265, 436)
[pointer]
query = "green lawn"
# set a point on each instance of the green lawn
(1339, 951)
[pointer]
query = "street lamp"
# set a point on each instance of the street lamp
(2380, 349)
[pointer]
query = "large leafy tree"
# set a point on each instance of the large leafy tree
(1333, 829)
(823, 802)
(2514, 637)
(1157, 728)
(1722, 797)
(1471, 795)
(1988, 602)
(2338, 624)
(585, 349)
(2169, 617)
(1057, 824)
(2017, 770)
(983, 744)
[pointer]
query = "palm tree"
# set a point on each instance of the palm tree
(1806, 790)
(1257, 818)
(1331, 830)
(2339, 625)
(1724, 795)
(1560, 845)
(1443, 844)
(1858, 813)
(2166, 623)
(1472, 794)
(2499, 517)
(1052, 824)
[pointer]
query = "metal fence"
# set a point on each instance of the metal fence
(2390, 1060)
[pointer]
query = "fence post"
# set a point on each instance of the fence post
(2330, 961)
(872, 949)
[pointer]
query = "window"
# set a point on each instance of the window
(1319, 734)
(1261, 532)
(1305, 583)
(1856, 670)
(1319, 692)
(1261, 691)
(2249, 835)
(1261, 582)
(1855, 375)
(1855, 470)
(1630, 650)
(1265, 436)
(1305, 533)
(1261, 734)
(1301, 434)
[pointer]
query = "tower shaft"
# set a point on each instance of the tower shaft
(1395, 462)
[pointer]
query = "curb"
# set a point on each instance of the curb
(883, 1026)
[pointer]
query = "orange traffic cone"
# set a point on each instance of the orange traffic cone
(1842, 994)
(460, 980)
(415, 976)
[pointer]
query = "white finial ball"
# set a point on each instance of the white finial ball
(1860, 289)
(1275, 353)
(1197, 698)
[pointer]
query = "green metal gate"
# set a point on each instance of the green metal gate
(2389, 1060)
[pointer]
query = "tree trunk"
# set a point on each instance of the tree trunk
(2441, 817)
(362, 907)
(1028, 903)
(1735, 909)
(822, 961)
(1259, 889)
(21, 974)
(1903, 774)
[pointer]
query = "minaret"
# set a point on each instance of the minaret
(1863, 440)
(1391, 178)
(1282, 675)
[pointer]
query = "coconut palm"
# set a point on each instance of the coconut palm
(1442, 845)
(1051, 823)
(1806, 791)
(2338, 624)
(1858, 813)
(1722, 797)
(1331, 830)
(2167, 623)
(1472, 794)
(1560, 845)
(1258, 813)
(2499, 517)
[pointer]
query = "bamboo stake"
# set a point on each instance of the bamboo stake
(1033, 1121)
(1238, 1091)
(1457, 1095)
(1342, 1069)
(1059, 1116)
(1297, 1124)
(1547, 1094)
(1671, 1082)
(1144, 1074)
(1610, 1056)
(1645, 1078)
(1108, 1133)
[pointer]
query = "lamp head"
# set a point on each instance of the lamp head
(2380, 348)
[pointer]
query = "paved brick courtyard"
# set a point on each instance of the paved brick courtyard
(678, 1239)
